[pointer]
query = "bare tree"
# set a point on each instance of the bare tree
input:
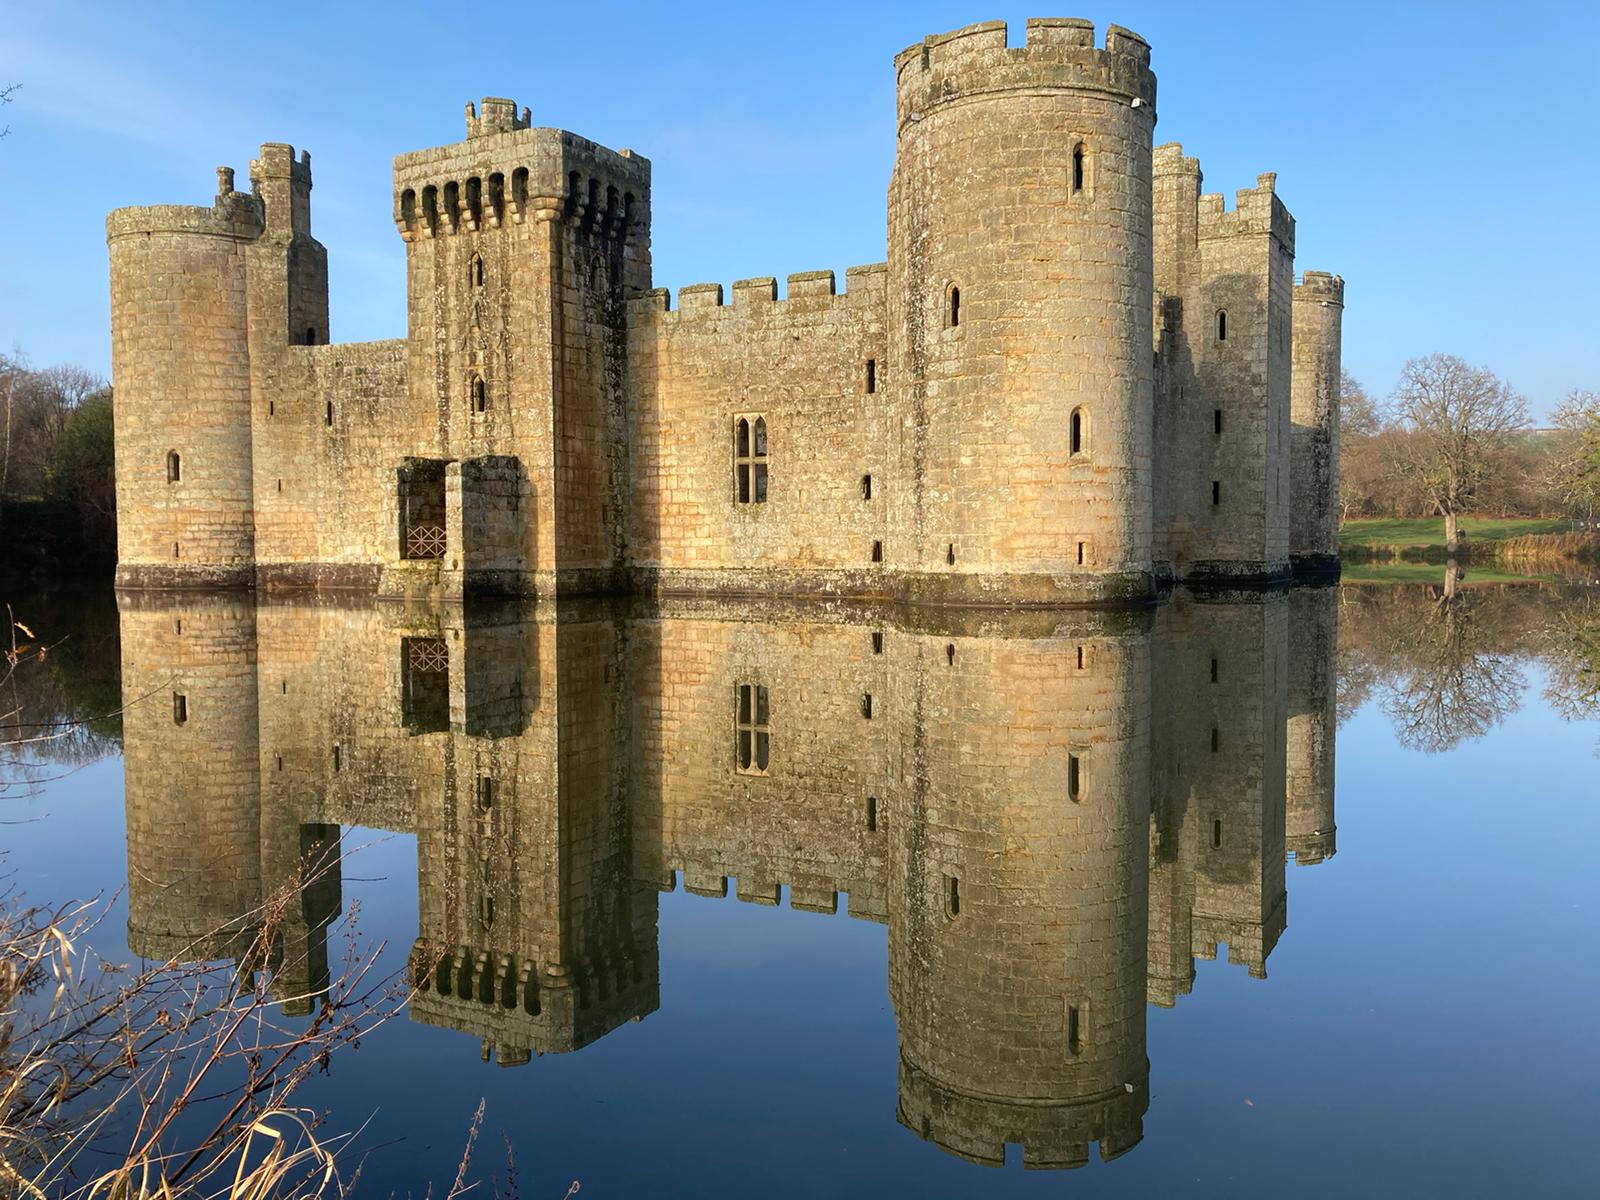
(1573, 475)
(6, 93)
(1455, 418)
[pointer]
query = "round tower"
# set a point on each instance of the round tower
(1020, 313)
(1019, 894)
(191, 775)
(1314, 413)
(181, 370)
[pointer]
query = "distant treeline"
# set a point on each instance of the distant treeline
(1454, 439)
(57, 473)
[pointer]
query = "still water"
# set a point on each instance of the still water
(1288, 891)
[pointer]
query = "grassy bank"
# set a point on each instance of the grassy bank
(1522, 545)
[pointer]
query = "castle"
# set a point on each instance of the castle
(1074, 379)
(1053, 813)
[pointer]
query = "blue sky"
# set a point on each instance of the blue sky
(1442, 157)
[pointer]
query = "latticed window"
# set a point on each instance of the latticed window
(425, 684)
(421, 486)
(753, 729)
(750, 459)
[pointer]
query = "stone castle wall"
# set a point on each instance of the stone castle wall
(1032, 401)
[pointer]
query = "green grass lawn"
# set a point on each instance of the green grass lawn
(1429, 531)
(1408, 572)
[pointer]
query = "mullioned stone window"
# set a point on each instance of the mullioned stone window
(753, 730)
(750, 458)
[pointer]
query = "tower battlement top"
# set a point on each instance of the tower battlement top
(1059, 54)
(499, 115)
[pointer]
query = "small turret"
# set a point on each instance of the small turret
(1314, 409)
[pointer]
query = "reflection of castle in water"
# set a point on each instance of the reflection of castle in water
(1054, 813)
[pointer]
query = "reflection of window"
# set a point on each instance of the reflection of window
(753, 729)
(425, 684)
(750, 459)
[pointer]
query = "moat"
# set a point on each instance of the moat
(1241, 891)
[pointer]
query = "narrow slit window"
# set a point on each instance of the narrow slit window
(1078, 433)
(950, 654)
(480, 395)
(877, 552)
(1216, 421)
(753, 730)
(1082, 552)
(1213, 670)
(952, 896)
(475, 272)
(953, 307)
(866, 705)
(872, 375)
(872, 814)
(1222, 325)
(877, 641)
(1077, 167)
(311, 335)
(750, 459)
(327, 416)
(180, 709)
(1074, 1029)
(1074, 778)
(950, 554)
(1216, 492)
(1216, 739)
(1216, 834)
(174, 466)
(1080, 658)
(866, 487)
(485, 793)
(337, 758)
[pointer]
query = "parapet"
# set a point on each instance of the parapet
(499, 116)
(1053, 1135)
(1169, 159)
(1320, 287)
(864, 284)
(233, 214)
(1060, 54)
(506, 169)
(1256, 211)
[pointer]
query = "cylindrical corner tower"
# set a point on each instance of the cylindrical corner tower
(180, 365)
(1314, 412)
(1018, 903)
(1020, 314)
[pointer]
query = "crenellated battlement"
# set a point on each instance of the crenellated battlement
(1059, 54)
(863, 284)
(1169, 159)
(1054, 1135)
(1256, 211)
(506, 170)
(1320, 287)
(499, 116)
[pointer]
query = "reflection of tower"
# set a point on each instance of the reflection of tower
(1216, 846)
(1018, 891)
(191, 774)
(535, 935)
(211, 854)
(1309, 830)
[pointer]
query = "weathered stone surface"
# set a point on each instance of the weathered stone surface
(1031, 402)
